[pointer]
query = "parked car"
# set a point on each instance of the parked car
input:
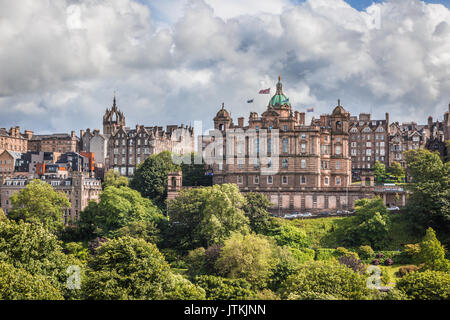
(307, 214)
(394, 208)
(339, 212)
(324, 214)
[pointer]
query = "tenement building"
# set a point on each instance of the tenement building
(13, 140)
(127, 148)
(298, 166)
(404, 137)
(79, 188)
(368, 143)
(57, 142)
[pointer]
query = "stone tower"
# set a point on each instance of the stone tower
(113, 119)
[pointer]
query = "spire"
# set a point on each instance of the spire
(279, 86)
(114, 102)
(223, 105)
(339, 102)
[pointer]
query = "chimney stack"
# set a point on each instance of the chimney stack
(302, 118)
(241, 122)
(72, 133)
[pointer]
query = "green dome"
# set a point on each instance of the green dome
(278, 98)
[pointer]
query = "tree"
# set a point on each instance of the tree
(146, 230)
(256, 209)
(120, 207)
(34, 249)
(432, 253)
(396, 170)
(127, 269)
(18, 284)
(114, 179)
(428, 285)
(151, 177)
(379, 171)
(38, 202)
(429, 199)
(249, 257)
(218, 288)
(206, 216)
(288, 235)
(195, 174)
(182, 289)
(325, 280)
(370, 226)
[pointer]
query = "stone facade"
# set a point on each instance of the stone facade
(404, 137)
(127, 148)
(13, 140)
(57, 142)
(368, 143)
(79, 188)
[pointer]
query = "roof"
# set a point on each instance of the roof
(279, 99)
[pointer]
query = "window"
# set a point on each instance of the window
(303, 136)
(303, 148)
(285, 127)
(285, 145)
(240, 179)
(303, 163)
(256, 179)
(338, 180)
(240, 163)
(338, 165)
(326, 181)
(285, 163)
(269, 180)
(284, 180)
(338, 150)
(269, 145)
(303, 180)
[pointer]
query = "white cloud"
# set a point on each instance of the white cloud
(62, 60)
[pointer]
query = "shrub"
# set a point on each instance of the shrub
(353, 263)
(218, 288)
(323, 254)
(376, 262)
(403, 271)
(388, 262)
(379, 255)
(366, 252)
(428, 285)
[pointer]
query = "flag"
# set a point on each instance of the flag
(310, 110)
(266, 91)
(250, 101)
(285, 101)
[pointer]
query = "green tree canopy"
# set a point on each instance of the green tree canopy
(151, 177)
(18, 284)
(396, 170)
(325, 280)
(256, 209)
(38, 202)
(428, 285)
(250, 257)
(127, 269)
(194, 174)
(432, 253)
(114, 179)
(370, 225)
(120, 207)
(379, 171)
(205, 216)
(429, 200)
(218, 288)
(34, 249)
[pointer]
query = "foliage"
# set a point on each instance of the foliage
(403, 271)
(246, 256)
(126, 269)
(146, 230)
(206, 216)
(428, 285)
(114, 179)
(34, 249)
(180, 288)
(366, 252)
(370, 226)
(429, 201)
(38, 202)
(96, 243)
(18, 284)
(289, 235)
(396, 170)
(323, 254)
(78, 250)
(256, 209)
(120, 207)
(353, 263)
(379, 171)
(432, 253)
(151, 177)
(218, 288)
(388, 262)
(323, 279)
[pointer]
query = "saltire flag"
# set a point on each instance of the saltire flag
(285, 101)
(310, 110)
(250, 101)
(266, 91)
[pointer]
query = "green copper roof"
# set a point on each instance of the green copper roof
(278, 98)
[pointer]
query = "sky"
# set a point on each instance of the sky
(177, 61)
